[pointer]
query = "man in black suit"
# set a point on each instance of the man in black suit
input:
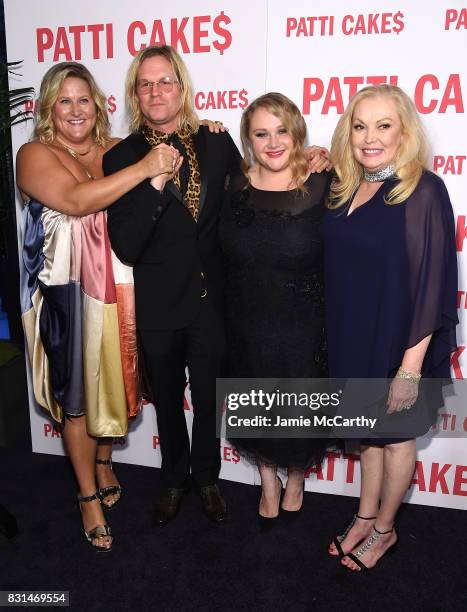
(167, 229)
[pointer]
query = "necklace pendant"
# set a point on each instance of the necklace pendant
(71, 151)
(77, 156)
(380, 175)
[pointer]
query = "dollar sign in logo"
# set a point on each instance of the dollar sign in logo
(112, 107)
(399, 23)
(220, 31)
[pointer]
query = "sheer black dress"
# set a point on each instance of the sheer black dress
(273, 253)
(391, 280)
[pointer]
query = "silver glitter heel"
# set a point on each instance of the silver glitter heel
(337, 541)
(368, 544)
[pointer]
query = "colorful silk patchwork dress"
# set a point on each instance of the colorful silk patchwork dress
(79, 320)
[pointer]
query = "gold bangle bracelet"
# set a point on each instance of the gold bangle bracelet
(406, 375)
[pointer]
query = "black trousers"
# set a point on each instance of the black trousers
(201, 346)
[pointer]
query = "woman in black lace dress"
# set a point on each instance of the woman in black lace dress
(270, 232)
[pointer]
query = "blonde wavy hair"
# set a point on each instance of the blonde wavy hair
(188, 119)
(289, 115)
(51, 85)
(411, 158)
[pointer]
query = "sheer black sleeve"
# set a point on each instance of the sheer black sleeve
(431, 248)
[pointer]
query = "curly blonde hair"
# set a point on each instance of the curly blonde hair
(51, 85)
(188, 119)
(288, 113)
(411, 158)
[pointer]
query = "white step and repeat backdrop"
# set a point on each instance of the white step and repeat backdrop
(317, 52)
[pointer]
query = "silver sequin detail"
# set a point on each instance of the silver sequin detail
(379, 175)
(371, 540)
(344, 535)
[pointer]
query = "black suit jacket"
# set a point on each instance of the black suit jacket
(174, 257)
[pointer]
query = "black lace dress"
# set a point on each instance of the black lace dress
(273, 253)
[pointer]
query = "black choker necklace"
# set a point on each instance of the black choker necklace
(380, 175)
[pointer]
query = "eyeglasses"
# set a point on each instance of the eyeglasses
(165, 85)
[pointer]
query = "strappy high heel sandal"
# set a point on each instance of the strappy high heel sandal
(97, 532)
(338, 539)
(104, 492)
(355, 557)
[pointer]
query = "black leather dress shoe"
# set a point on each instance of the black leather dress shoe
(167, 505)
(213, 503)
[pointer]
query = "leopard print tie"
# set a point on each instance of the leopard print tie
(192, 196)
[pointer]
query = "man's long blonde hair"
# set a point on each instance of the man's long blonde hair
(188, 119)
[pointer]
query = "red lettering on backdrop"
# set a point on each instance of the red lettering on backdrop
(76, 31)
(44, 41)
(438, 476)
(452, 164)
(221, 31)
(455, 362)
(221, 99)
(459, 18)
(452, 94)
(461, 232)
(419, 476)
(323, 25)
(177, 34)
(230, 454)
(460, 479)
(331, 457)
(330, 469)
(157, 34)
(51, 431)
(316, 469)
(111, 105)
(351, 460)
(374, 23)
(62, 48)
(448, 421)
(305, 26)
(339, 91)
(29, 106)
(444, 421)
(130, 36)
(95, 30)
(109, 39)
(313, 89)
(67, 43)
(333, 97)
(198, 34)
(186, 34)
